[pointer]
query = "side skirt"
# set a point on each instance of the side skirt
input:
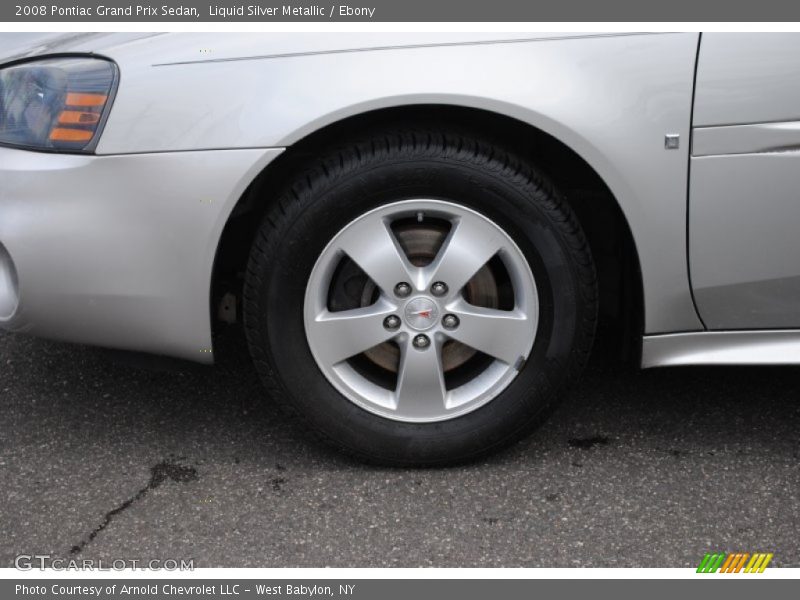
(768, 347)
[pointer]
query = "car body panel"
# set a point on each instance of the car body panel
(159, 48)
(610, 98)
(118, 251)
(744, 208)
(747, 78)
(744, 240)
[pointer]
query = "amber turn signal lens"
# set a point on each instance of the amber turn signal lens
(79, 99)
(75, 117)
(62, 134)
(90, 106)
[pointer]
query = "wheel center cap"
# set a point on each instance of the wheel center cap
(421, 313)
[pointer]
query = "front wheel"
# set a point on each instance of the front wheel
(420, 297)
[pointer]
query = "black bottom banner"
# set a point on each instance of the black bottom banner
(396, 589)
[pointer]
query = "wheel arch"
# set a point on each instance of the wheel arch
(598, 210)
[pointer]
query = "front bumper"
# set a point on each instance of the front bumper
(117, 251)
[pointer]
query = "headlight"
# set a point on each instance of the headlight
(55, 103)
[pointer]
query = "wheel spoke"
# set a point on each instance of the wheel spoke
(504, 335)
(420, 382)
(373, 247)
(339, 335)
(469, 246)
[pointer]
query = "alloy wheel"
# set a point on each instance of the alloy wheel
(421, 310)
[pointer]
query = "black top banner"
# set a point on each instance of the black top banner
(399, 11)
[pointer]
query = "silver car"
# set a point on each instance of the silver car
(422, 236)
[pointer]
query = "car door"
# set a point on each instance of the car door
(744, 215)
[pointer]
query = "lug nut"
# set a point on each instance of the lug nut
(450, 321)
(421, 342)
(402, 289)
(439, 288)
(391, 322)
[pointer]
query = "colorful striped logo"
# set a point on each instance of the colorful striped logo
(734, 562)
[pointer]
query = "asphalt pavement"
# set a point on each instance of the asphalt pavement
(107, 458)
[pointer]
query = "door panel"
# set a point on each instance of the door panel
(744, 216)
(745, 240)
(747, 78)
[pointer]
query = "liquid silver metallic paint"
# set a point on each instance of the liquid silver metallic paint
(105, 255)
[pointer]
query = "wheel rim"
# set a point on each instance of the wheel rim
(378, 285)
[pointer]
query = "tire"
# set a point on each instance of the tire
(466, 176)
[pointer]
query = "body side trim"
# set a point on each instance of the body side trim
(400, 47)
(754, 138)
(757, 347)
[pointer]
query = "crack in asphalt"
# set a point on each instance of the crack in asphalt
(588, 442)
(163, 471)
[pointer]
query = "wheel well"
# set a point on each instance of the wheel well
(610, 239)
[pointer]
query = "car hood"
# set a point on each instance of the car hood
(14, 46)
